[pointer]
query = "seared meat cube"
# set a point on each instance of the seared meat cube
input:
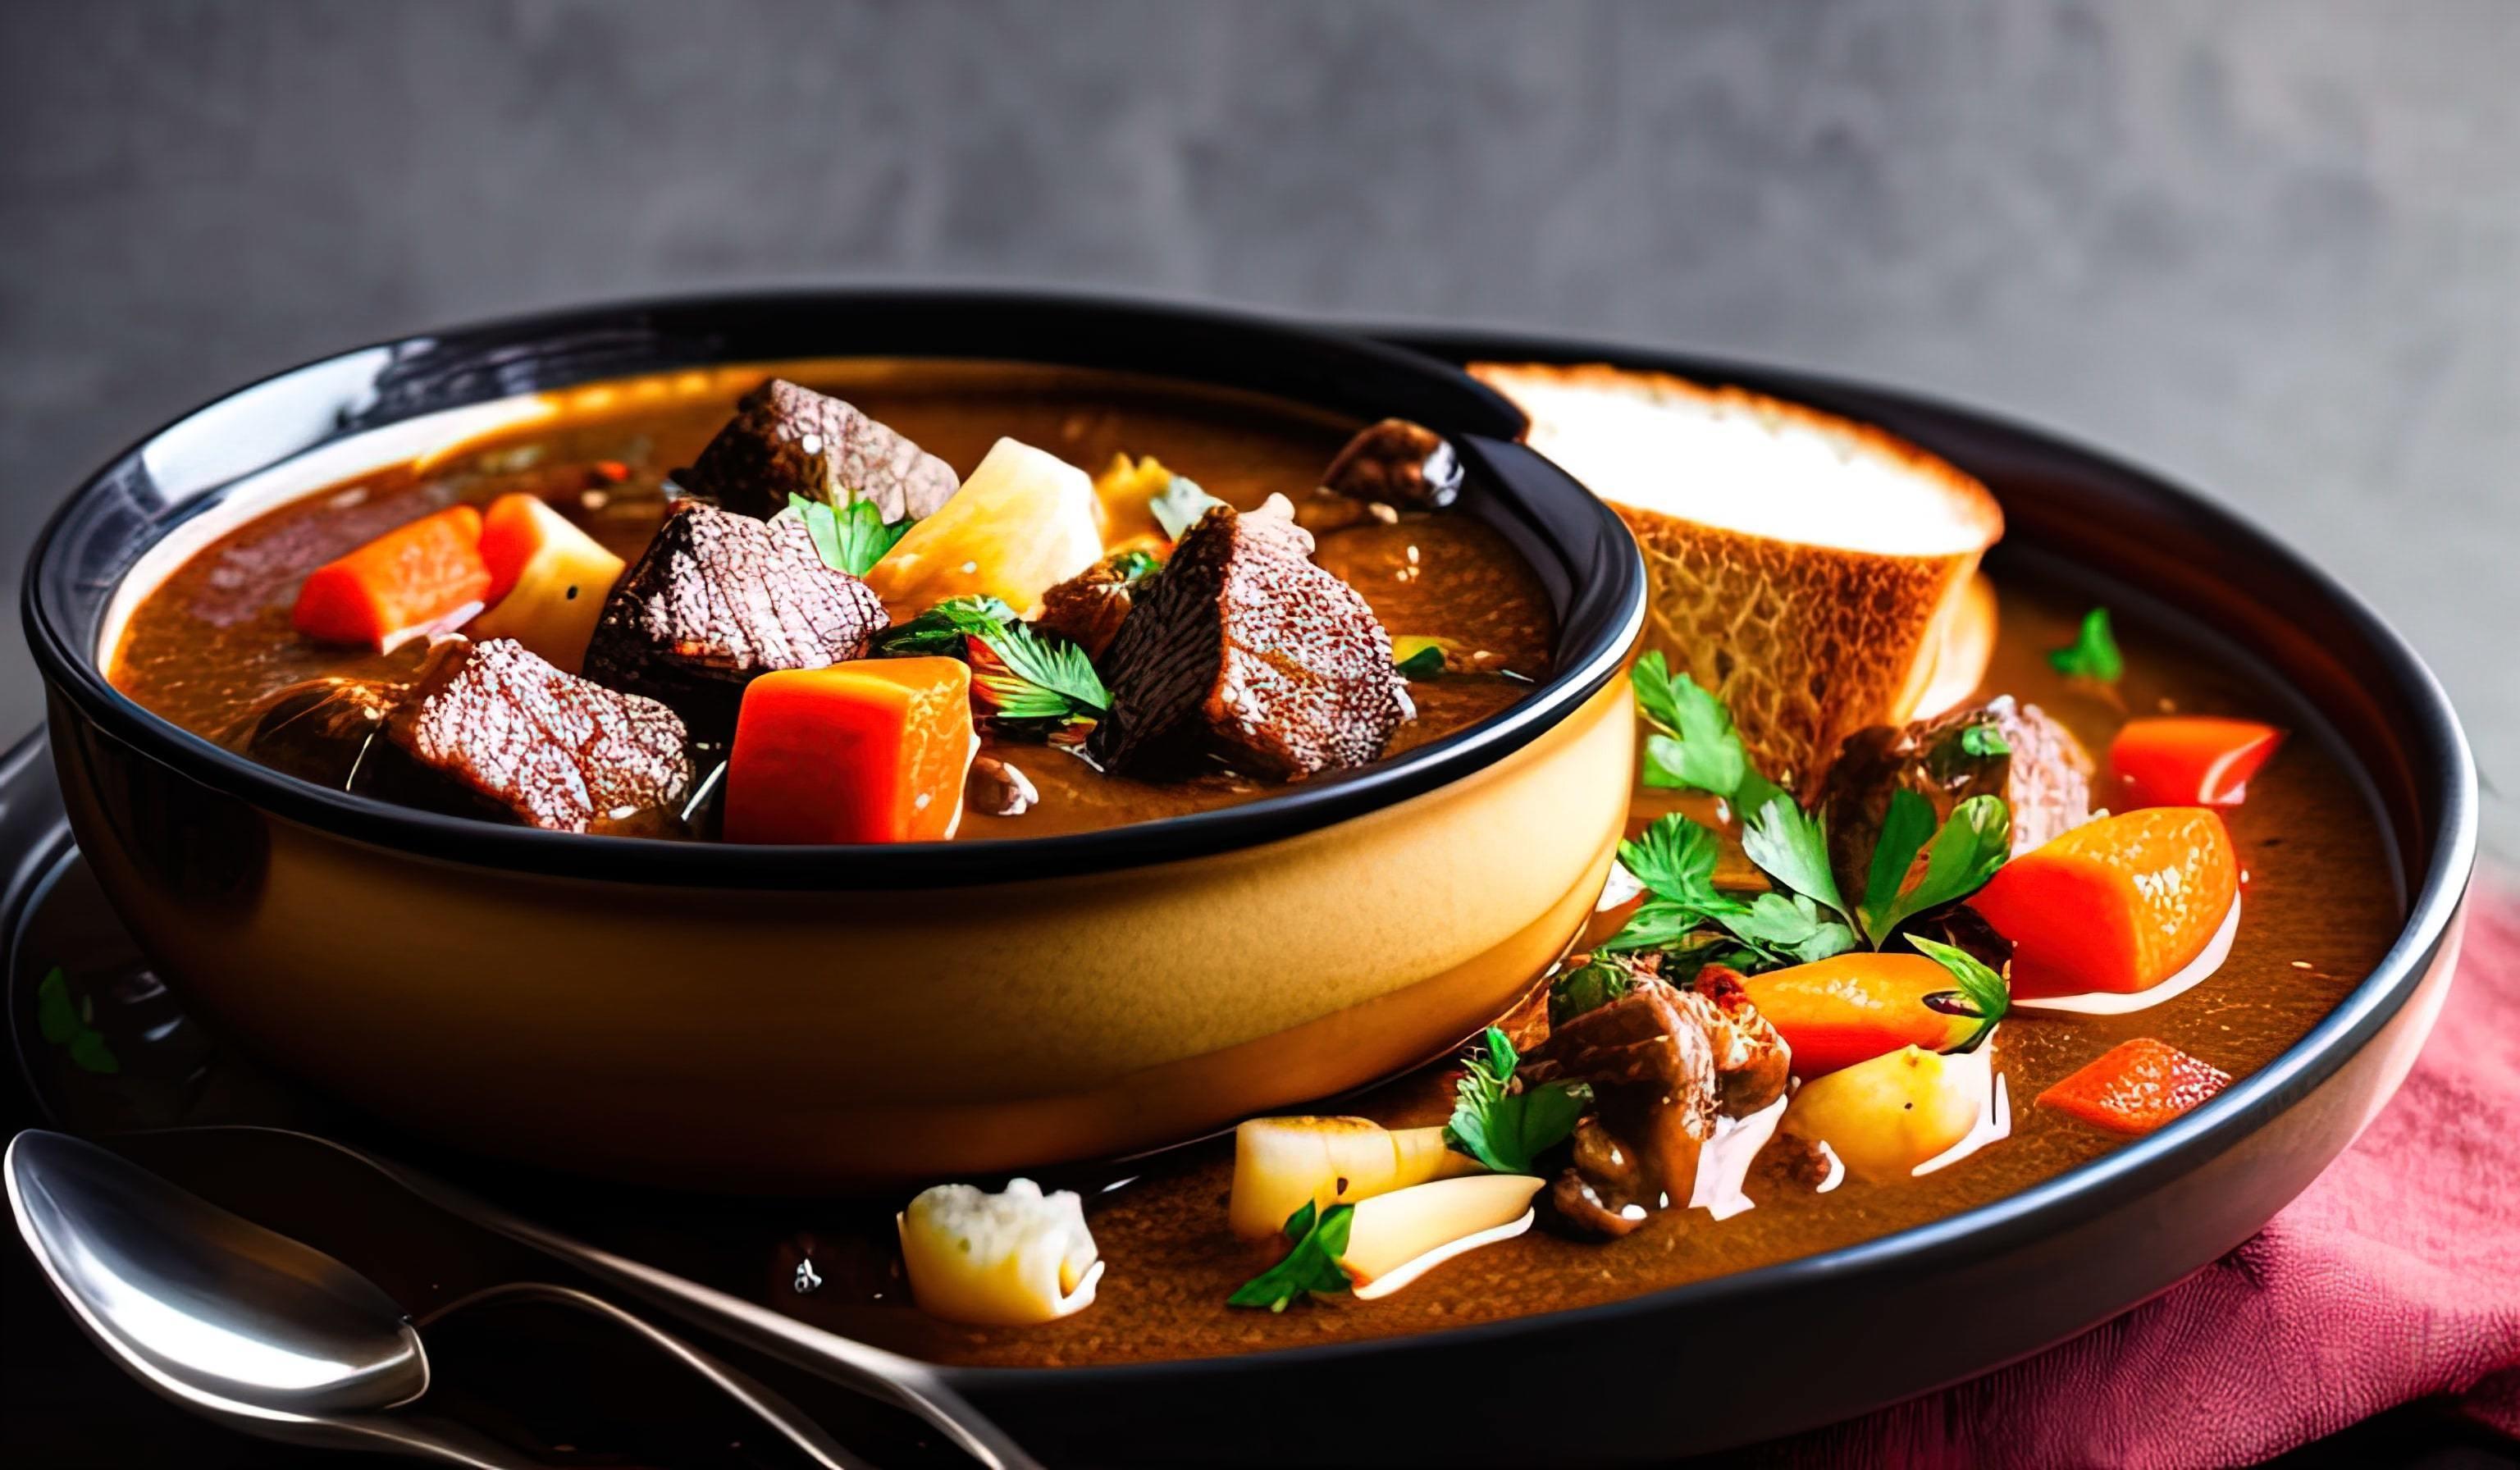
(551, 749)
(1664, 1063)
(2042, 773)
(718, 599)
(1244, 650)
(786, 439)
(1398, 464)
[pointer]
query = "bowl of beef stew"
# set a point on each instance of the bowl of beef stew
(803, 741)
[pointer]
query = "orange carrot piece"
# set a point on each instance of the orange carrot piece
(515, 529)
(2136, 1086)
(397, 585)
(872, 750)
(2189, 760)
(2121, 904)
(1854, 1008)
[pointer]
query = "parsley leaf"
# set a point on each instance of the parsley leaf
(851, 539)
(1675, 858)
(941, 628)
(1773, 921)
(1499, 1127)
(1312, 1266)
(1904, 831)
(1695, 748)
(1588, 987)
(1041, 679)
(1791, 846)
(1135, 566)
(1036, 678)
(1986, 990)
(1984, 740)
(59, 1020)
(1425, 661)
(2094, 653)
(1657, 924)
(1974, 841)
(1179, 504)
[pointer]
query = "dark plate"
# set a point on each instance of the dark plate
(1718, 1363)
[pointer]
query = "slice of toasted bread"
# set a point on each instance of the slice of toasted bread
(1802, 565)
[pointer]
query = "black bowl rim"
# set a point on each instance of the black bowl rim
(1606, 610)
(2135, 1166)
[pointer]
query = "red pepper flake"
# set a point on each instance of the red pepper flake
(2136, 1086)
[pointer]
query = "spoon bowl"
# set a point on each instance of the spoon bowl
(204, 1305)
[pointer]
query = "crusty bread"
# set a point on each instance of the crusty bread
(1801, 565)
(1962, 652)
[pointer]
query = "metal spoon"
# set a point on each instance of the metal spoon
(269, 1335)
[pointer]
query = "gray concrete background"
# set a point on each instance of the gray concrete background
(2272, 248)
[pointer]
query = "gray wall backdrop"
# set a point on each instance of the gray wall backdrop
(2271, 249)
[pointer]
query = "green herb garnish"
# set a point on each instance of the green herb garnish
(64, 1024)
(1794, 926)
(1974, 841)
(1135, 566)
(1179, 504)
(1039, 679)
(1984, 741)
(1588, 986)
(1791, 846)
(2094, 653)
(1985, 991)
(941, 628)
(1425, 663)
(852, 538)
(1501, 1127)
(1312, 1266)
(1694, 746)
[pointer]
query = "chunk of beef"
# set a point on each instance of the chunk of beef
(786, 439)
(1244, 650)
(718, 599)
(2045, 778)
(549, 749)
(1664, 1063)
(1398, 464)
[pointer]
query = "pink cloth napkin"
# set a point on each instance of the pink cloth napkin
(2394, 1277)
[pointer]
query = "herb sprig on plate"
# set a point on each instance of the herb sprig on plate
(1694, 746)
(2094, 653)
(1321, 1238)
(1505, 1125)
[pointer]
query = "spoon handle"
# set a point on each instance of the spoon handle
(765, 1403)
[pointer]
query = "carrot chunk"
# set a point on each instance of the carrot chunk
(2136, 1086)
(2121, 904)
(2191, 760)
(399, 585)
(872, 750)
(1837, 1013)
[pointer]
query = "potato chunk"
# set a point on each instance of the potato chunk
(999, 1260)
(1280, 1164)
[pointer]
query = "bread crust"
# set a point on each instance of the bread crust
(1805, 642)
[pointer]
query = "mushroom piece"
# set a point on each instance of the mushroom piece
(1397, 462)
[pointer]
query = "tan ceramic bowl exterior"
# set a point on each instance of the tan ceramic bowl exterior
(812, 1041)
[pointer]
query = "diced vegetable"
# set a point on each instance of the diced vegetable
(1123, 491)
(1837, 1013)
(872, 750)
(1280, 1164)
(404, 583)
(1394, 1232)
(1007, 1259)
(2120, 904)
(2189, 760)
(1885, 1116)
(1025, 522)
(2136, 1086)
(547, 579)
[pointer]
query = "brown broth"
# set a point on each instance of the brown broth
(214, 637)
